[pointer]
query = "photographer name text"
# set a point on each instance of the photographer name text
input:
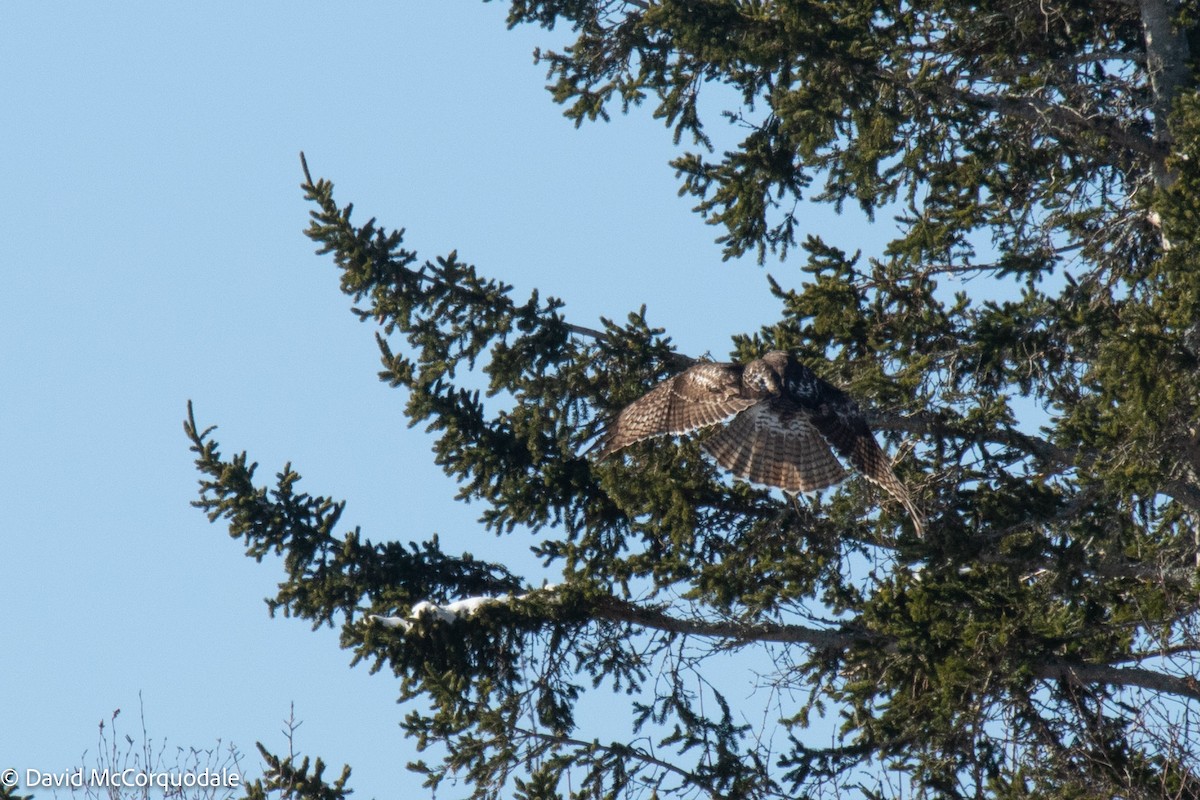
(132, 778)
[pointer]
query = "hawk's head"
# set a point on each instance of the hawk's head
(764, 377)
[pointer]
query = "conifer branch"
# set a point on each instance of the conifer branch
(1061, 118)
(935, 425)
(614, 609)
(618, 751)
(1121, 676)
(617, 610)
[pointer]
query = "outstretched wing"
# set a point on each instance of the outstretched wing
(841, 423)
(787, 440)
(702, 395)
(774, 444)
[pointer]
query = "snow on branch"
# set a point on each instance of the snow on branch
(451, 612)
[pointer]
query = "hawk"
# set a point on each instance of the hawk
(783, 427)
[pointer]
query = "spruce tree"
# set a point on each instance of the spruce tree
(1040, 640)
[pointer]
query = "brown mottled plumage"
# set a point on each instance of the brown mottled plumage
(784, 425)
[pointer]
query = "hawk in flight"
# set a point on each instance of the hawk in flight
(784, 426)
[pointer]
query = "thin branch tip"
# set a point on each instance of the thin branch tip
(308, 181)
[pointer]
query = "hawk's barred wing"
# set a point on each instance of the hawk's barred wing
(843, 426)
(785, 424)
(774, 444)
(846, 431)
(703, 395)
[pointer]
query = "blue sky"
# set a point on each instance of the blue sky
(152, 253)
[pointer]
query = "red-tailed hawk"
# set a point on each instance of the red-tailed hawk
(784, 426)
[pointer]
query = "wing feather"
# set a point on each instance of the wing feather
(703, 395)
(786, 440)
(847, 432)
(772, 444)
(841, 422)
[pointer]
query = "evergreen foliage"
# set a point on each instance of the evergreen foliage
(291, 776)
(1040, 641)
